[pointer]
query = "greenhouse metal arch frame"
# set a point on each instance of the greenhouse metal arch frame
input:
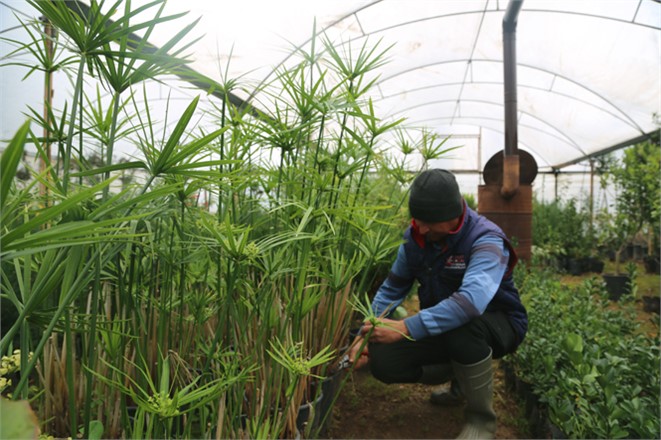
(582, 90)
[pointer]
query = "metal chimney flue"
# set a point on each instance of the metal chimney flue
(506, 196)
(511, 163)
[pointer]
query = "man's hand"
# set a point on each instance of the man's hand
(391, 331)
(359, 360)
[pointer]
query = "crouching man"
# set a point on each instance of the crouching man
(470, 311)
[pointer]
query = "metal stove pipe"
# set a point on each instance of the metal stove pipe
(511, 165)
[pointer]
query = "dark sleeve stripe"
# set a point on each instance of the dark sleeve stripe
(465, 304)
(490, 247)
(398, 281)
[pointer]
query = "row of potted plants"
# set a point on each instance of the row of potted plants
(578, 240)
(591, 371)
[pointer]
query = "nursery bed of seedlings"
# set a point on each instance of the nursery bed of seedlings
(589, 367)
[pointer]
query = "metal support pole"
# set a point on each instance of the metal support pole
(591, 226)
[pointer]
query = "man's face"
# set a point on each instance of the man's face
(437, 231)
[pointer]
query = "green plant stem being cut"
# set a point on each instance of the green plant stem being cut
(365, 308)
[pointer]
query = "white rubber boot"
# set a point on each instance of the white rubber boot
(476, 382)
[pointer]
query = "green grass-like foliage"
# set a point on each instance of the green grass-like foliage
(207, 279)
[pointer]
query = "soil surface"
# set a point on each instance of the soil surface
(369, 409)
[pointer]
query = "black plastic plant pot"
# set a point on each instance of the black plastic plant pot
(329, 389)
(575, 266)
(538, 420)
(616, 285)
(509, 374)
(652, 304)
(556, 432)
(595, 265)
(651, 264)
(305, 413)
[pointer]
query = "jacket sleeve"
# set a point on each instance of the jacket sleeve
(485, 271)
(395, 287)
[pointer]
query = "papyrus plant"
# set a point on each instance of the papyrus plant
(302, 205)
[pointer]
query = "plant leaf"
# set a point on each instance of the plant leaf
(10, 160)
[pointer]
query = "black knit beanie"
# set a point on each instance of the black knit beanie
(435, 197)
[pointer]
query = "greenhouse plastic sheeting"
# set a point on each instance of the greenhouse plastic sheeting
(588, 72)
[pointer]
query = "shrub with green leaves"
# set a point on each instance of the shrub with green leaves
(592, 365)
(561, 229)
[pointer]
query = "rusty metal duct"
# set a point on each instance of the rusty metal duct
(511, 158)
(506, 196)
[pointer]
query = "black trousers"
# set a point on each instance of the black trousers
(402, 362)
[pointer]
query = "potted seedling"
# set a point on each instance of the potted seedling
(298, 365)
(642, 186)
(563, 238)
(635, 178)
(615, 231)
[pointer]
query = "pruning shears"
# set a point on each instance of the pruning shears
(344, 363)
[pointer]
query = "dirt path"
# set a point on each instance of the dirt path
(369, 409)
